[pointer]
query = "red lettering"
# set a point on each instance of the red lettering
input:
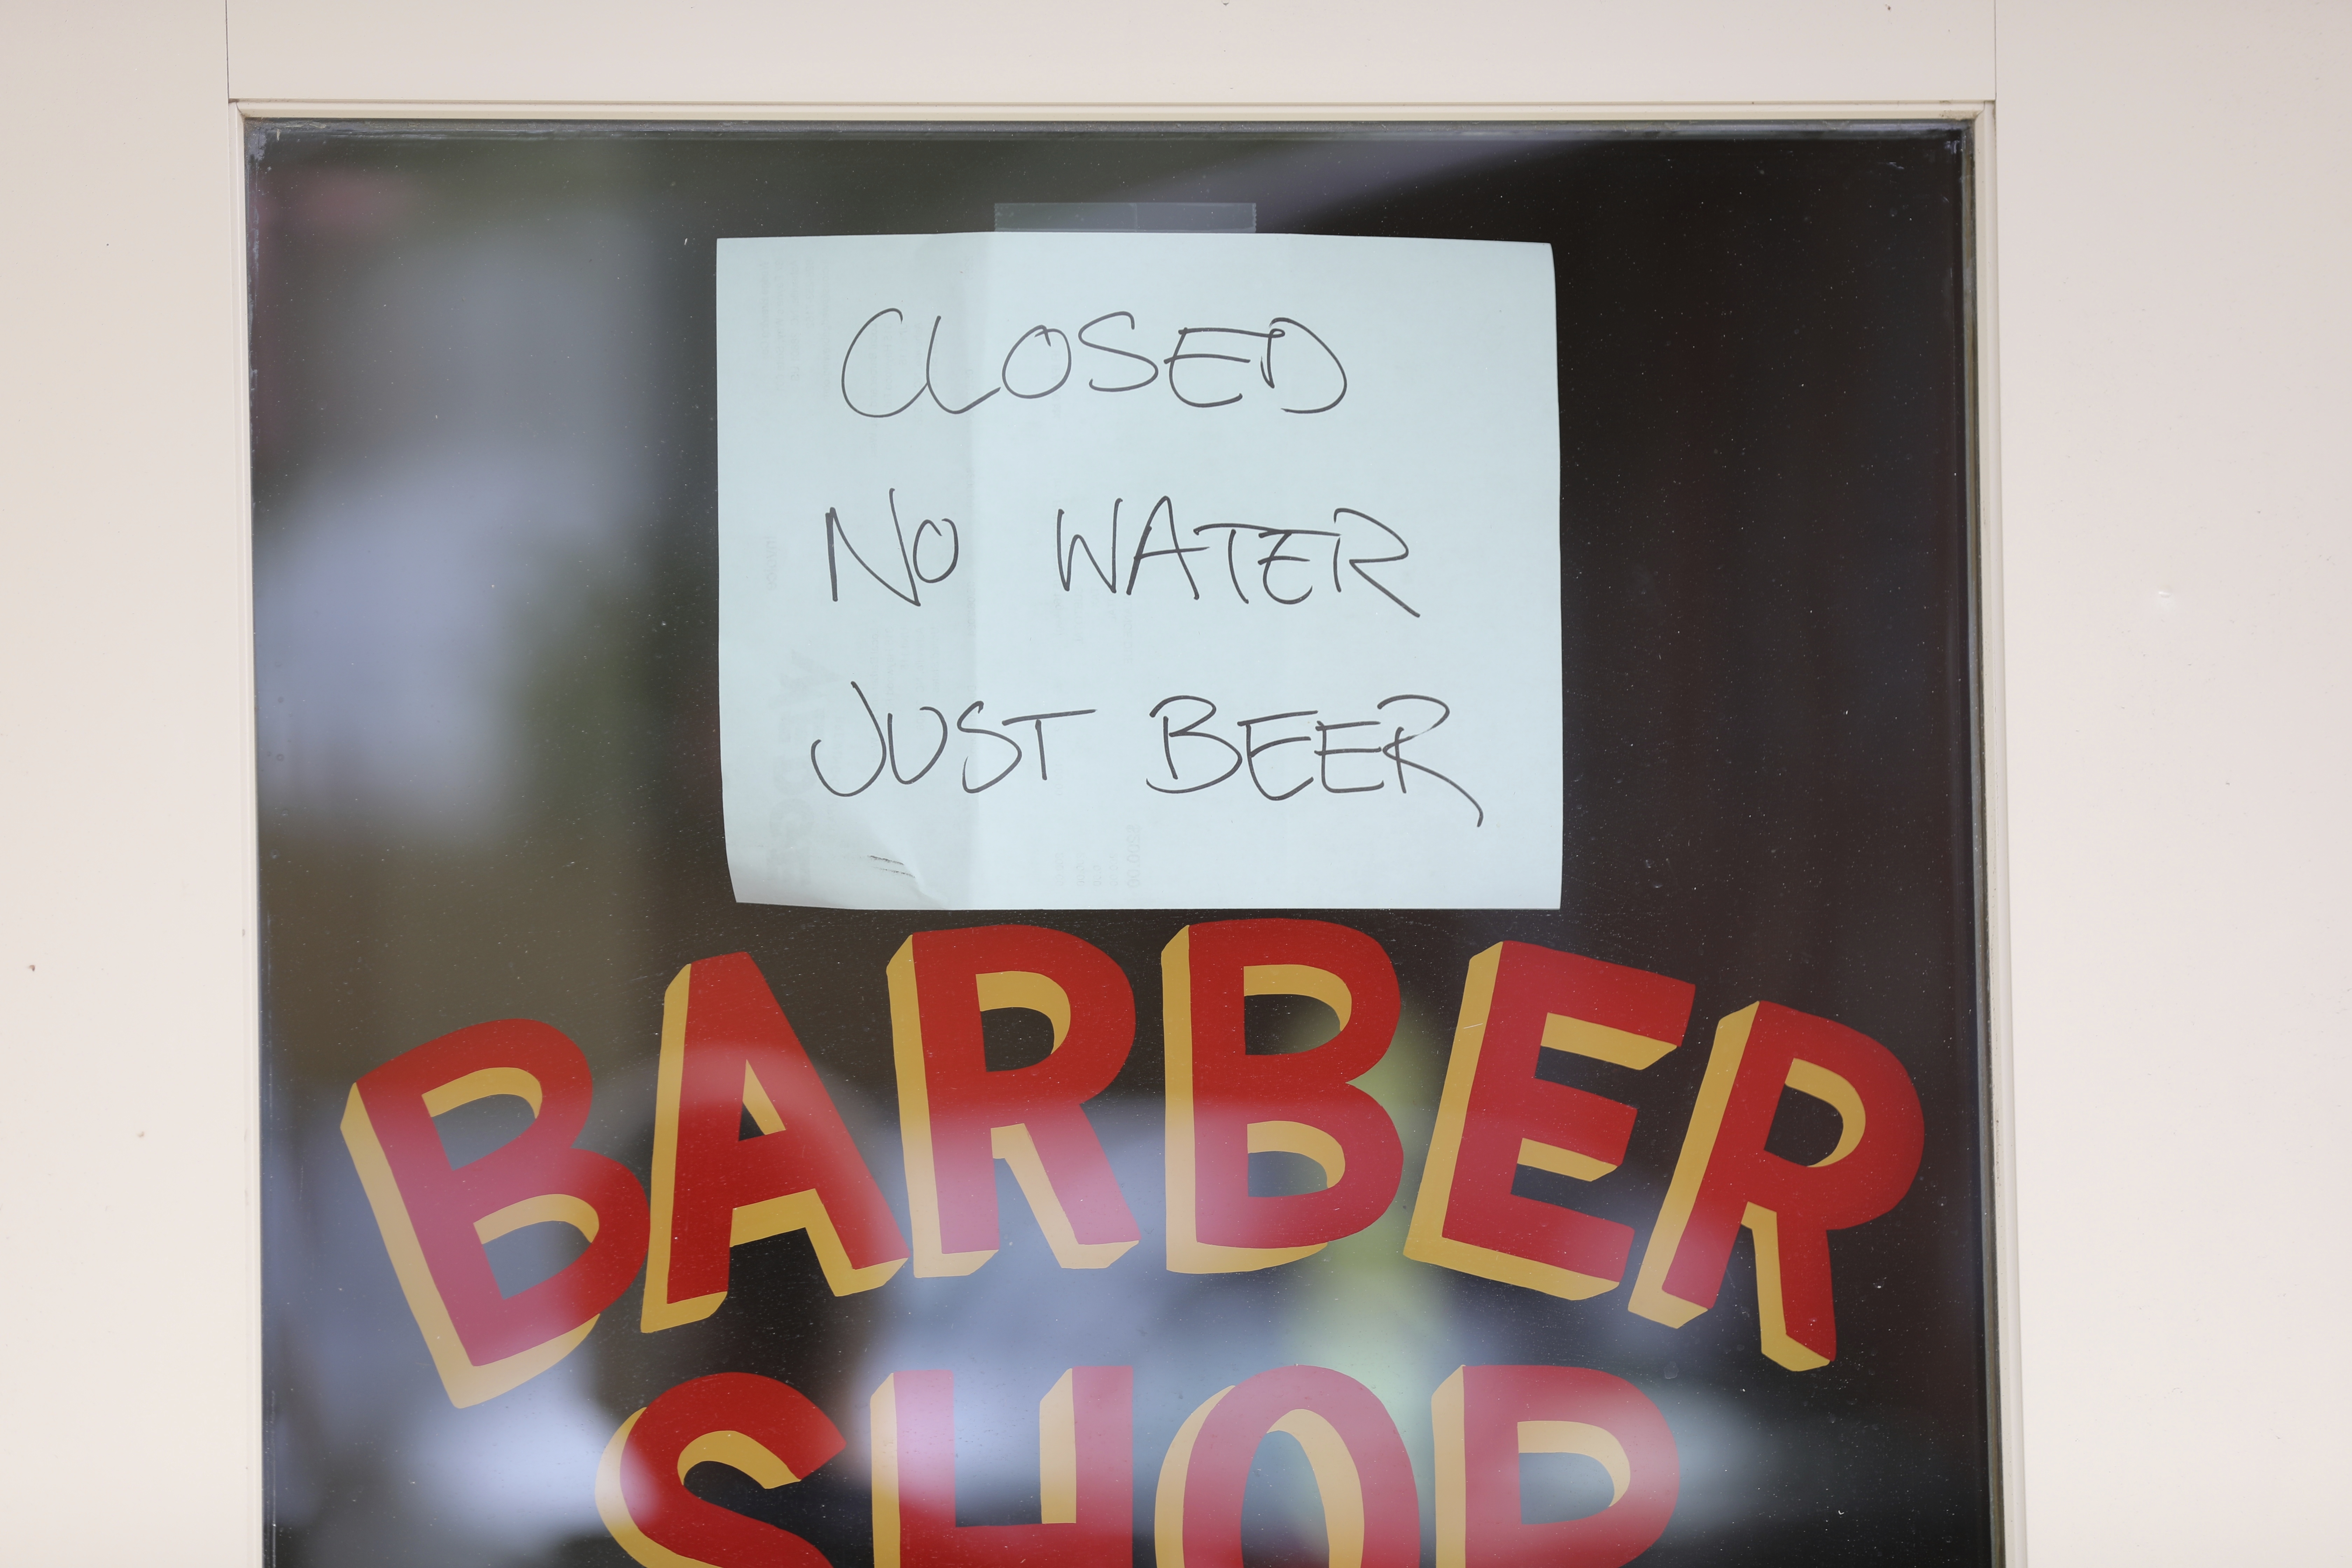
(436, 1219)
(728, 1048)
(1372, 1508)
(1495, 1115)
(1486, 1416)
(956, 1118)
(1086, 1470)
(764, 1428)
(1725, 1178)
(1224, 1104)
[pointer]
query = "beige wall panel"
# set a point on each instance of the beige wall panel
(2174, 333)
(1067, 52)
(126, 1124)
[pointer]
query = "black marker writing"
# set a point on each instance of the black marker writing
(1264, 734)
(1253, 750)
(1178, 550)
(1048, 341)
(1039, 720)
(1229, 364)
(1275, 335)
(851, 352)
(1394, 751)
(1170, 735)
(969, 787)
(890, 743)
(1150, 370)
(1182, 357)
(1325, 751)
(932, 531)
(884, 730)
(1274, 548)
(1358, 562)
(882, 750)
(1067, 556)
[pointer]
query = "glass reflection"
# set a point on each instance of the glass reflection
(484, 573)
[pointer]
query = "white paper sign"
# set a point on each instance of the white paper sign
(1087, 571)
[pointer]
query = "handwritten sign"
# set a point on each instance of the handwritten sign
(1087, 571)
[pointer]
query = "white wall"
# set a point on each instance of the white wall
(1061, 53)
(2171, 217)
(2174, 214)
(127, 1063)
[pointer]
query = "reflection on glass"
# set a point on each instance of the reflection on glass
(486, 667)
